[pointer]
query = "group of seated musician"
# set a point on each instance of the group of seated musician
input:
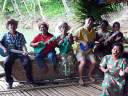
(92, 45)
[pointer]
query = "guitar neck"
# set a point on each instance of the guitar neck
(16, 51)
(46, 42)
(112, 36)
(21, 52)
(49, 40)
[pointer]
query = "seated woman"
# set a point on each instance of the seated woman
(49, 49)
(102, 48)
(119, 36)
(114, 67)
(67, 61)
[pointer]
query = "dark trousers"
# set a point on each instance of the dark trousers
(9, 61)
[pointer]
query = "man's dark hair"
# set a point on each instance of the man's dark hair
(90, 17)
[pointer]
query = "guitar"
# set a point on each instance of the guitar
(64, 47)
(38, 49)
(10, 48)
(103, 46)
(115, 33)
(90, 45)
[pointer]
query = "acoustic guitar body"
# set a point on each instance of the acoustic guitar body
(64, 47)
(7, 46)
(38, 49)
(83, 48)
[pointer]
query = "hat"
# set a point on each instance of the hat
(63, 23)
(43, 23)
(11, 21)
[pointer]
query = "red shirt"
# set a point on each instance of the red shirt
(40, 38)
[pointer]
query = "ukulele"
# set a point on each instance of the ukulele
(38, 49)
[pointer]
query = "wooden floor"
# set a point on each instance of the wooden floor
(50, 89)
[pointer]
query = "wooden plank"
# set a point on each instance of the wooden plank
(50, 92)
(42, 93)
(88, 89)
(32, 92)
(41, 87)
(63, 94)
(17, 84)
(66, 91)
(95, 91)
(1, 88)
(81, 92)
(75, 92)
(55, 92)
(62, 91)
(4, 85)
(97, 86)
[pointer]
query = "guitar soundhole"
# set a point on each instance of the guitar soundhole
(89, 45)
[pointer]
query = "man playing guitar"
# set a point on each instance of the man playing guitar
(18, 40)
(84, 35)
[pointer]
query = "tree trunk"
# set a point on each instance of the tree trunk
(17, 8)
(34, 11)
(14, 7)
(66, 7)
(27, 8)
(4, 6)
(41, 10)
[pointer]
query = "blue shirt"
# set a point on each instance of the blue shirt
(17, 42)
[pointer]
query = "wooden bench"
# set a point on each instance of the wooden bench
(19, 74)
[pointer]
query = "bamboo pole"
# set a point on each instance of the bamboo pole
(47, 86)
(41, 87)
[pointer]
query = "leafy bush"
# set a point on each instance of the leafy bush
(91, 7)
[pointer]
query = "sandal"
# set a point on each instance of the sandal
(81, 82)
(92, 79)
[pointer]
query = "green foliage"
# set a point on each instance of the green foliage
(91, 7)
(54, 7)
(50, 8)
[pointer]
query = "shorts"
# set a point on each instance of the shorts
(84, 56)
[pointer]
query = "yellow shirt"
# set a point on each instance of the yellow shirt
(83, 34)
